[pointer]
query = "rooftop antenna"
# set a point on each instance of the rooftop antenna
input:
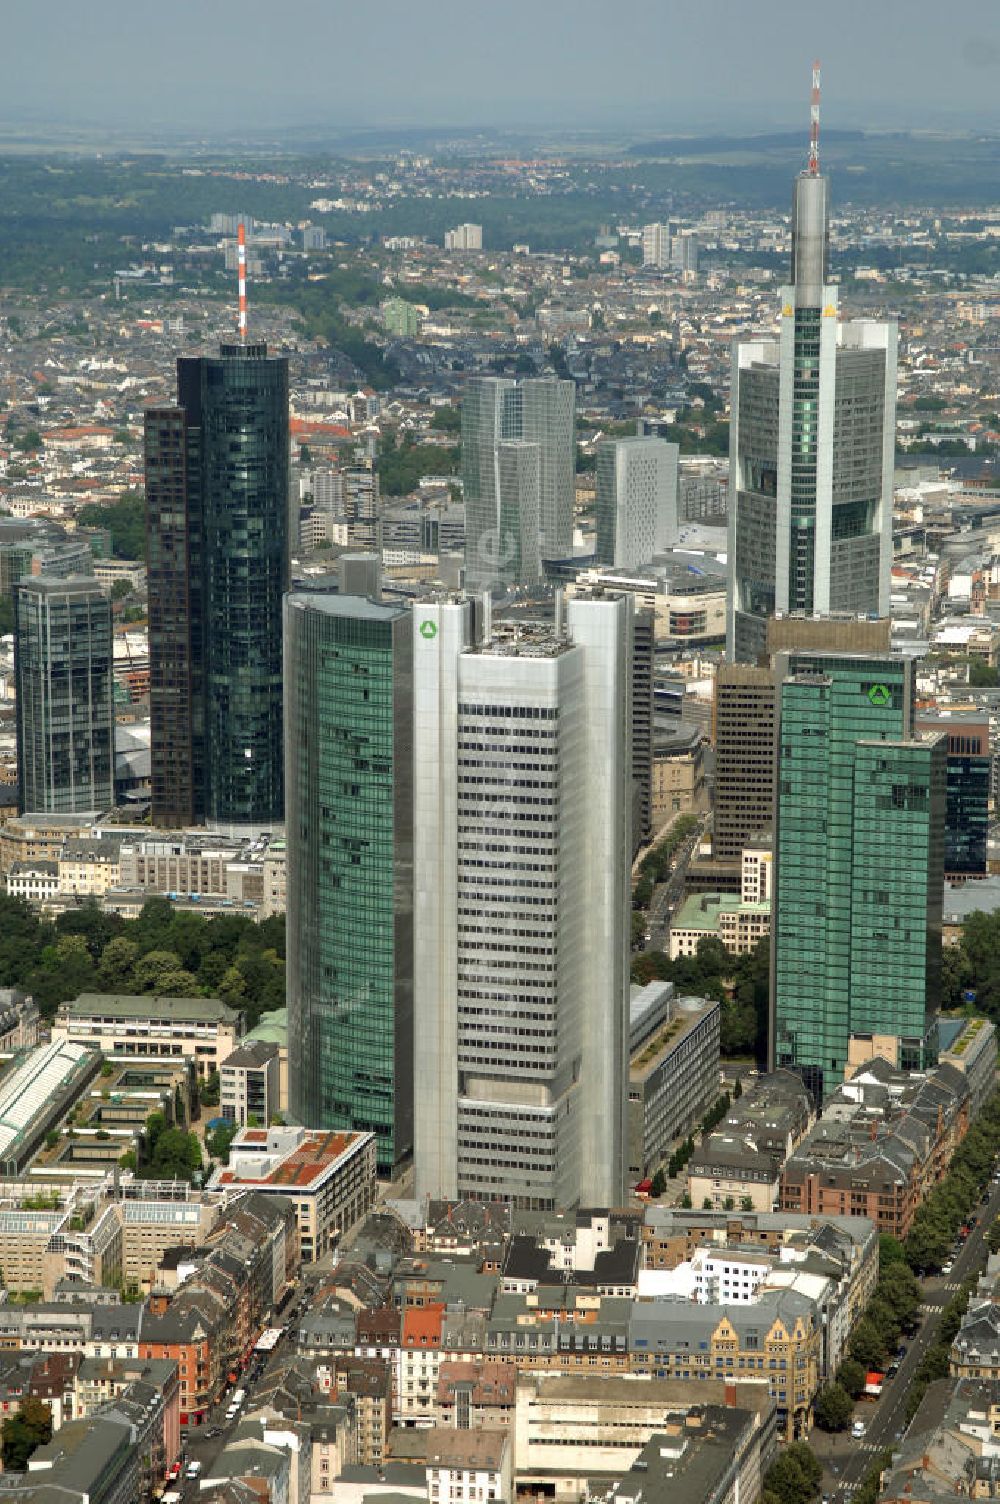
(814, 124)
(241, 264)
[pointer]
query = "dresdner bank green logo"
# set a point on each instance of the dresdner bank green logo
(879, 694)
(428, 629)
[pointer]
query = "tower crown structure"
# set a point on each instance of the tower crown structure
(812, 439)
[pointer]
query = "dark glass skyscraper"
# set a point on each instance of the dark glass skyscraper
(216, 490)
(350, 866)
(65, 714)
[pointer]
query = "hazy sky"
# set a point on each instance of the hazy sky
(658, 63)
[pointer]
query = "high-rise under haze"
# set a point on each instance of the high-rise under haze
(348, 718)
(217, 508)
(522, 799)
(501, 509)
(63, 660)
(636, 509)
(811, 449)
(859, 857)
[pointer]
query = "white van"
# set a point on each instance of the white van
(192, 1470)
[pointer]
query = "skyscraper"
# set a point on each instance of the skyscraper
(967, 820)
(521, 871)
(743, 715)
(65, 711)
(495, 410)
(656, 246)
(811, 446)
(217, 499)
(547, 418)
(518, 507)
(350, 866)
(636, 500)
(856, 929)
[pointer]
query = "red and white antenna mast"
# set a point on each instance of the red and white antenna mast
(814, 124)
(241, 264)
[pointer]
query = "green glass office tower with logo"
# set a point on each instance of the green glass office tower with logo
(349, 782)
(859, 848)
(217, 517)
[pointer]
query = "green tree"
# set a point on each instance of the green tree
(118, 958)
(161, 972)
(176, 1155)
(659, 1182)
(851, 1377)
(795, 1476)
(121, 590)
(867, 1345)
(23, 1432)
(125, 520)
(833, 1408)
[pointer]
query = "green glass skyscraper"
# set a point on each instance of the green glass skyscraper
(856, 933)
(217, 507)
(348, 712)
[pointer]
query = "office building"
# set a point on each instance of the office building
(217, 499)
(859, 865)
(643, 659)
(350, 866)
(743, 732)
(966, 821)
(63, 659)
(495, 411)
(812, 439)
(656, 246)
(464, 238)
(636, 500)
(684, 252)
(547, 418)
(518, 506)
(521, 917)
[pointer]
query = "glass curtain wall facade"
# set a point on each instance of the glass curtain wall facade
(217, 468)
(636, 511)
(858, 863)
(350, 867)
(63, 660)
(540, 412)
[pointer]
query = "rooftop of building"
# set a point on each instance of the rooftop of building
(448, 1447)
(702, 911)
(685, 1017)
(36, 1080)
(252, 1054)
(348, 607)
(286, 1158)
(167, 1009)
(962, 899)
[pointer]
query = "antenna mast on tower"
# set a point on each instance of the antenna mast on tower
(814, 124)
(241, 264)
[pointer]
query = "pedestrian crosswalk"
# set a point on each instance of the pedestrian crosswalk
(931, 1307)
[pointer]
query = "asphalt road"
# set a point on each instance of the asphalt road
(846, 1461)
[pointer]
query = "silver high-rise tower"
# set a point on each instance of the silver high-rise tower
(522, 804)
(811, 447)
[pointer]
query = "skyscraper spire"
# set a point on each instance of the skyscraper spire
(241, 263)
(814, 124)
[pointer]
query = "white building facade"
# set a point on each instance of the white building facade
(521, 867)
